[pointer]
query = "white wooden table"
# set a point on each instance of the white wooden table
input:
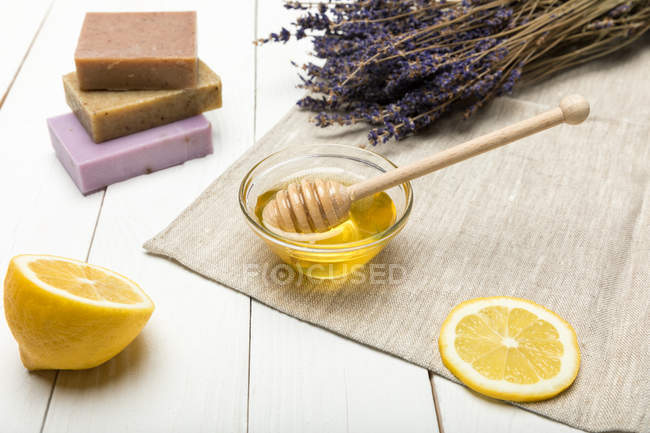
(210, 359)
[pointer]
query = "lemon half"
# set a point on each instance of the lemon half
(509, 348)
(67, 314)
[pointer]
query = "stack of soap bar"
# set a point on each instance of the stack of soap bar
(137, 97)
(111, 114)
(137, 50)
(93, 166)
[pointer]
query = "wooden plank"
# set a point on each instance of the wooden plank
(464, 411)
(19, 25)
(304, 378)
(42, 211)
(188, 371)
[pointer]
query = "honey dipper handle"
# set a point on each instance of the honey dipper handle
(573, 110)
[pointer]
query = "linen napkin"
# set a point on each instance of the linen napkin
(561, 218)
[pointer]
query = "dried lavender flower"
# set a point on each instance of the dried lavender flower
(399, 65)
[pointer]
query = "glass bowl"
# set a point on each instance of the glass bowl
(344, 163)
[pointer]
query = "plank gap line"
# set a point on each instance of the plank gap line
(436, 406)
(250, 300)
(90, 245)
(255, 53)
(4, 97)
(29, 48)
(250, 337)
(49, 400)
(99, 214)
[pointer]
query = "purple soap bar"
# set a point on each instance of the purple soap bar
(94, 166)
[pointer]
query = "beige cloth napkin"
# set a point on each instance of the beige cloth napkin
(561, 218)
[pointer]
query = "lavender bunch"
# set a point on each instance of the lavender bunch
(401, 64)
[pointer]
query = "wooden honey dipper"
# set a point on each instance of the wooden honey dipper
(312, 206)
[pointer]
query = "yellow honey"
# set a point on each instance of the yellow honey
(342, 249)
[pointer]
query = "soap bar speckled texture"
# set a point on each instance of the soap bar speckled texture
(112, 114)
(137, 50)
(93, 166)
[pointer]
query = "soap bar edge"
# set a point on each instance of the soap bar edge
(65, 158)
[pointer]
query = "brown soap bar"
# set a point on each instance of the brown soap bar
(137, 50)
(110, 114)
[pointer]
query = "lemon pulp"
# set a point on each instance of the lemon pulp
(509, 344)
(509, 348)
(84, 281)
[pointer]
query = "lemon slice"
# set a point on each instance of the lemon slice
(67, 314)
(509, 348)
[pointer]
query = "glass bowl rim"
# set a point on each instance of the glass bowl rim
(330, 248)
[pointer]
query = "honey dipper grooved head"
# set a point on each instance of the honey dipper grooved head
(308, 206)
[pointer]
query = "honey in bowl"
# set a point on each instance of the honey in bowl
(342, 250)
(368, 218)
